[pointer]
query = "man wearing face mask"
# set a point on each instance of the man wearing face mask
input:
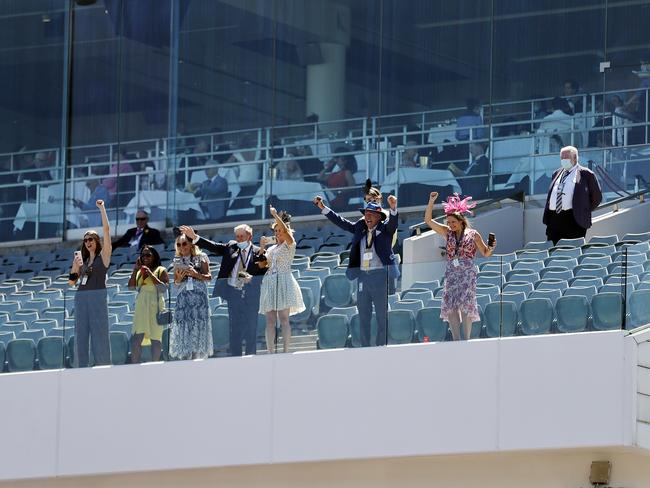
(238, 283)
(372, 262)
(574, 193)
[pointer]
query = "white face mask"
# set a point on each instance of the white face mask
(566, 164)
(242, 245)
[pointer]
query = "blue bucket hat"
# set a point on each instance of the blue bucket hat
(374, 207)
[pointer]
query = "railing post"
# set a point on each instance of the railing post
(38, 211)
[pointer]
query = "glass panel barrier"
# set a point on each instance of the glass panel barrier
(224, 301)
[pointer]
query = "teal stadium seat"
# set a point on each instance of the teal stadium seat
(428, 285)
(337, 291)
(500, 319)
(332, 331)
(349, 312)
(590, 270)
(21, 355)
(531, 264)
(417, 294)
(595, 259)
(220, 333)
(411, 305)
(401, 325)
(585, 291)
(607, 250)
(518, 286)
(6, 336)
(33, 334)
(119, 347)
(538, 245)
(552, 295)
(570, 252)
(565, 262)
(51, 353)
(572, 313)
(355, 331)
(429, 324)
(611, 240)
(606, 310)
(537, 255)
(536, 316)
(305, 315)
(577, 242)
(639, 307)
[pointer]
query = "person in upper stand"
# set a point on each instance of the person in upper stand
(141, 234)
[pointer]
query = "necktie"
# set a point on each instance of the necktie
(242, 260)
(560, 191)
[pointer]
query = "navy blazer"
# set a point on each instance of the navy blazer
(586, 196)
(149, 237)
(383, 242)
(230, 254)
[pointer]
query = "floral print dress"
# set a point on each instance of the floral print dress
(460, 281)
(191, 333)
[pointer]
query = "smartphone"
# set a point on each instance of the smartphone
(77, 253)
(491, 238)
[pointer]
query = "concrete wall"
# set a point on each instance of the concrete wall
(483, 396)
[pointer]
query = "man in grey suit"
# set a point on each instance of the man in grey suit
(574, 193)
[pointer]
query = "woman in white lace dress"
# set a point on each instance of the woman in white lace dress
(280, 294)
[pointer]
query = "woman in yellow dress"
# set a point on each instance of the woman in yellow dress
(151, 281)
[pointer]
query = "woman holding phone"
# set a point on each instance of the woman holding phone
(459, 294)
(88, 271)
(191, 333)
(280, 293)
(150, 278)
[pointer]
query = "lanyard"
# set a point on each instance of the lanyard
(457, 243)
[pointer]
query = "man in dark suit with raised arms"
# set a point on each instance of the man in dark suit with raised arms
(372, 261)
(238, 282)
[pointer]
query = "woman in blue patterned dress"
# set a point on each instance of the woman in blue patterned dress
(459, 294)
(191, 333)
(280, 293)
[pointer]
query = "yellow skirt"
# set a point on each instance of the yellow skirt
(146, 307)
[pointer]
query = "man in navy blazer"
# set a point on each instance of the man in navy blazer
(574, 193)
(372, 262)
(238, 282)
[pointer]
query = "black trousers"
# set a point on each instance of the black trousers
(563, 226)
(242, 314)
(373, 290)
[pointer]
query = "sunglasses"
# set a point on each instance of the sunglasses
(184, 243)
(140, 219)
(88, 239)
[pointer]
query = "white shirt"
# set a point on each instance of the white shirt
(567, 191)
(245, 256)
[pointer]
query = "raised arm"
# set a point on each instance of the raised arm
(335, 218)
(107, 247)
(428, 216)
(216, 247)
(391, 226)
(279, 222)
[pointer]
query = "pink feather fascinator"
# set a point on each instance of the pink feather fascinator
(454, 204)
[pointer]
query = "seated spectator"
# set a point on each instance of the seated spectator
(571, 88)
(338, 173)
(410, 155)
(33, 169)
(213, 194)
(200, 154)
(90, 210)
(289, 169)
(140, 235)
(471, 118)
(558, 122)
(474, 180)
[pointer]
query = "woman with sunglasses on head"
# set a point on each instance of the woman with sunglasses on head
(150, 278)
(88, 271)
(191, 333)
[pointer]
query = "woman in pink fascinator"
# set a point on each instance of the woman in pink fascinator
(459, 294)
